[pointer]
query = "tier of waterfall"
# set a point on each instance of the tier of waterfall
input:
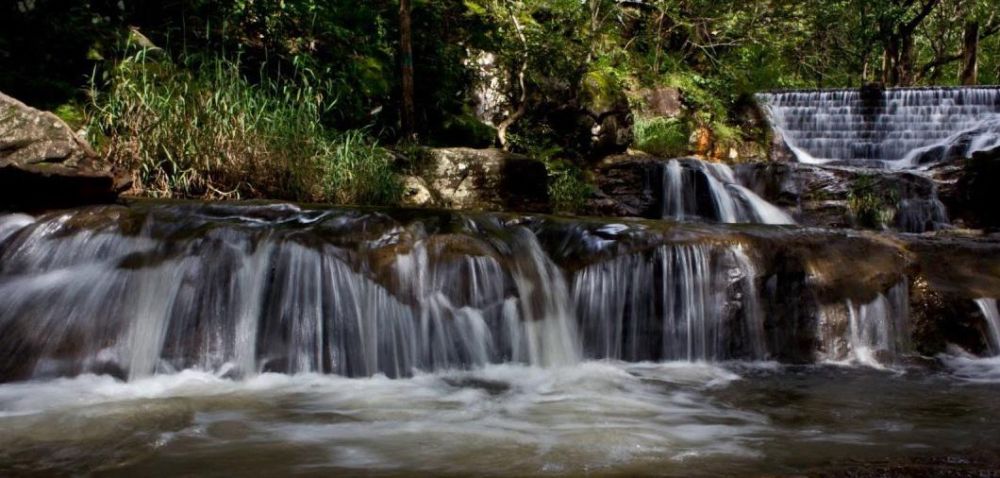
(898, 128)
(696, 189)
(241, 290)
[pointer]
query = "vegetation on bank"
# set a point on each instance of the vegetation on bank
(291, 98)
(870, 203)
(200, 129)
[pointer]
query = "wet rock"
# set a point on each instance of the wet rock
(479, 179)
(822, 196)
(43, 164)
(971, 191)
(626, 187)
(941, 318)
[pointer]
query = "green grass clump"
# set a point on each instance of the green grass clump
(203, 131)
(871, 206)
(358, 171)
(666, 137)
(568, 189)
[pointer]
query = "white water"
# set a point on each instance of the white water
(11, 223)
(971, 368)
(979, 369)
(503, 418)
(730, 202)
(905, 129)
(246, 296)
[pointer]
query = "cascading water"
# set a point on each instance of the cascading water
(245, 290)
(899, 128)
(695, 189)
(671, 304)
(989, 309)
(874, 334)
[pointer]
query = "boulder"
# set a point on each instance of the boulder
(660, 102)
(479, 179)
(43, 164)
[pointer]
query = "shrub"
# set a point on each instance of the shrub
(204, 131)
(667, 137)
(568, 189)
(360, 172)
(870, 206)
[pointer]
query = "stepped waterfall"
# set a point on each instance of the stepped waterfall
(897, 128)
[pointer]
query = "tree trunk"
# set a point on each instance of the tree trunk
(406, 61)
(898, 61)
(890, 62)
(970, 62)
(906, 62)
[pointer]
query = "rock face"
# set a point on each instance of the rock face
(625, 188)
(44, 164)
(969, 189)
(479, 179)
(848, 197)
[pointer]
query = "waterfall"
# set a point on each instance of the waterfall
(875, 333)
(898, 128)
(242, 290)
(992, 315)
(271, 289)
(688, 302)
(692, 188)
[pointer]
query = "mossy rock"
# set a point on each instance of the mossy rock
(600, 92)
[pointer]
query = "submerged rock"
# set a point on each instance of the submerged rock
(43, 164)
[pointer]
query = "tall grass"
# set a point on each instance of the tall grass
(666, 137)
(202, 130)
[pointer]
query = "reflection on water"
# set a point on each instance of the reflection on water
(598, 418)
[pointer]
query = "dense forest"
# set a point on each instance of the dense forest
(293, 98)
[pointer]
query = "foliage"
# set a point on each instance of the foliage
(72, 114)
(664, 137)
(205, 131)
(360, 172)
(568, 189)
(554, 59)
(869, 204)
